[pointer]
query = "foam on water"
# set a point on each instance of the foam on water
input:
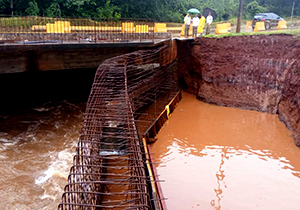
(54, 178)
(36, 150)
(6, 144)
(59, 167)
(106, 153)
(42, 109)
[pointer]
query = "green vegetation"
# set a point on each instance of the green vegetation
(159, 10)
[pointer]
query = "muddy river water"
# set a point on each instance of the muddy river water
(36, 152)
(224, 158)
(210, 157)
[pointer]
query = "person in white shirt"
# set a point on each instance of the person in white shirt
(209, 20)
(187, 23)
(195, 25)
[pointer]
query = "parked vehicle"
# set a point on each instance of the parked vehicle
(270, 19)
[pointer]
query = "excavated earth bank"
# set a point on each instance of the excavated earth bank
(251, 72)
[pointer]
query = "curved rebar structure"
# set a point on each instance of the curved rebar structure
(109, 170)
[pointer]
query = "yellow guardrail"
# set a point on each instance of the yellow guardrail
(66, 28)
(95, 28)
(222, 28)
(248, 25)
(58, 27)
(281, 25)
(38, 28)
(259, 26)
(174, 28)
(228, 26)
(141, 28)
(160, 27)
(127, 27)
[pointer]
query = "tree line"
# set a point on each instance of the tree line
(159, 10)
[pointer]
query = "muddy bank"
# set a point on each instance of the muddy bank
(254, 72)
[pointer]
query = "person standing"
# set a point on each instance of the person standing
(209, 20)
(187, 23)
(201, 24)
(195, 22)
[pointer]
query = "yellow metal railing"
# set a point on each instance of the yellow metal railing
(75, 29)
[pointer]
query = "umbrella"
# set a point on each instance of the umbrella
(211, 11)
(194, 10)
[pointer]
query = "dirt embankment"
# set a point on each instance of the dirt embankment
(254, 72)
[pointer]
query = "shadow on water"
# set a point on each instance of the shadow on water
(20, 91)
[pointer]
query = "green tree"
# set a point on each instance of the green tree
(53, 10)
(160, 10)
(3, 7)
(32, 8)
(85, 8)
(253, 8)
(108, 11)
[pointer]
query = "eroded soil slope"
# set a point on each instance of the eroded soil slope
(250, 72)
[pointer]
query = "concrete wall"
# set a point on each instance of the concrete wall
(45, 57)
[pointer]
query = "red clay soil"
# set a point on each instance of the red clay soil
(250, 72)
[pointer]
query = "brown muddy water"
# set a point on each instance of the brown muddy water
(224, 158)
(211, 157)
(36, 151)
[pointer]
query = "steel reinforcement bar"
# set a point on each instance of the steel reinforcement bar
(109, 169)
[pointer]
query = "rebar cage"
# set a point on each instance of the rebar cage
(109, 170)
